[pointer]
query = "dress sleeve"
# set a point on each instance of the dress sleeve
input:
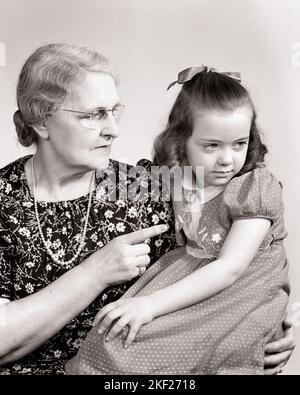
(6, 246)
(158, 207)
(256, 194)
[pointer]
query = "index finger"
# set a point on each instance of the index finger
(139, 236)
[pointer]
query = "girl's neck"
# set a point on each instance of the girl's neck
(211, 191)
(207, 192)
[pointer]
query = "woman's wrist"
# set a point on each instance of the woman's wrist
(92, 268)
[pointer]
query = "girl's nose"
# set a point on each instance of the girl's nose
(225, 157)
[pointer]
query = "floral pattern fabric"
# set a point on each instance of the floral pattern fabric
(26, 268)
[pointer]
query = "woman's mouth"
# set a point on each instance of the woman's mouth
(103, 146)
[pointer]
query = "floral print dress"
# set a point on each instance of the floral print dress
(224, 334)
(26, 268)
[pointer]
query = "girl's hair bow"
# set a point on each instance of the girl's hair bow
(188, 74)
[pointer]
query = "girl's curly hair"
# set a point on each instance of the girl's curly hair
(205, 91)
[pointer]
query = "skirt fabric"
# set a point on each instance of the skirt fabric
(225, 334)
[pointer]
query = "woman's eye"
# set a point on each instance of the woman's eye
(93, 116)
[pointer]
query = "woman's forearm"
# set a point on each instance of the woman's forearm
(27, 323)
(194, 288)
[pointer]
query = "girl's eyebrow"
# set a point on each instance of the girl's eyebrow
(242, 139)
(220, 141)
(208, 139)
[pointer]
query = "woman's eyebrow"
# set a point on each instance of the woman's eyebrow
(102, 107)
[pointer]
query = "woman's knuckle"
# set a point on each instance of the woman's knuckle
(110, 316)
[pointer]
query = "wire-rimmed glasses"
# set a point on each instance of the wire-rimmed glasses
(92, 119)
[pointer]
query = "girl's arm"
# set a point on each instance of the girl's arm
(239, 249)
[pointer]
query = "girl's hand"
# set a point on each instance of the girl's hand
(133, 312)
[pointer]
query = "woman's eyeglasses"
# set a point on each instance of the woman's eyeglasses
(91, 120)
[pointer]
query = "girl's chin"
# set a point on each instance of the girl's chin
(220, 181)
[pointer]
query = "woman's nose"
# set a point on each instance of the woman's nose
(110, 127)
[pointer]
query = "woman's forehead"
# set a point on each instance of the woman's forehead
(93, 91)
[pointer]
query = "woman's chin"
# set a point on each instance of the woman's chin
(101, 161)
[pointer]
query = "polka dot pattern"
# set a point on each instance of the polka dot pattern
(224, 334)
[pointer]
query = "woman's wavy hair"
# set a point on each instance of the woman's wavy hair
(47, 78)
(205, 91)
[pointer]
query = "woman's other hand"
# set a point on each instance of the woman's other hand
(279, 352)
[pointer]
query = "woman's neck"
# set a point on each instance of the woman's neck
(55, 182)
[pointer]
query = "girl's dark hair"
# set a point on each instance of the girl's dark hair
(206, 90)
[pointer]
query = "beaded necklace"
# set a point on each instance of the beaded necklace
(82, 237)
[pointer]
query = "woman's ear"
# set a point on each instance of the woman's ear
(42, 129)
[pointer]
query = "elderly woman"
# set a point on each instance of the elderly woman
(70, 241)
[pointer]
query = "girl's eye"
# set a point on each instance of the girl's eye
(240, 144)
(211, 146)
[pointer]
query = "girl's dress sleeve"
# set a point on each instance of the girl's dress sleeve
(256, 194)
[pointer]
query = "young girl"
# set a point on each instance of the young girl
(211, 305)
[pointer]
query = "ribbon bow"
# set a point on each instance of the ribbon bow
(188, 74)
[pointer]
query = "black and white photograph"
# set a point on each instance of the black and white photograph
(149, 197)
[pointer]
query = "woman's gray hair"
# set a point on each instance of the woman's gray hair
(47, 78)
